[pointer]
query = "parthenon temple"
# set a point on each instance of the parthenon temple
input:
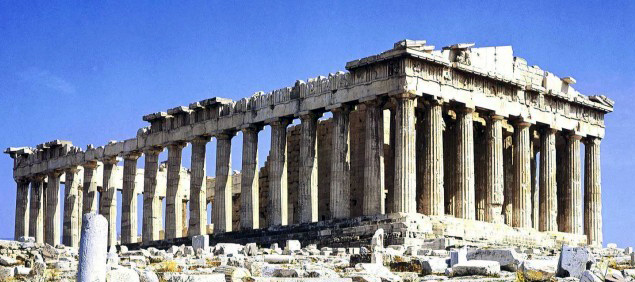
(464, 142)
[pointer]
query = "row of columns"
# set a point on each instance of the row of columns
(560, 209)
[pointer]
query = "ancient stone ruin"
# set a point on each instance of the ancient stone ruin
(435, 147)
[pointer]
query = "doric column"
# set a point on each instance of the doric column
(173, 201)
(572, 209)
(70, 234)
(522, 172)
(198, 192)
(548, 189)
(278, 173)
(592, 192)
(222, 206)
(36, 212)
(21, 208)
(52, 222)
(308, 171)
(249, 186)
(129, 199)
(374, 160)
(464, 205)
(449, 165)
(432, 196)
(405, 185)
(508, 168)
(152, 204)
(108, 199)
(495, 184)
(90, 187)
(340, 163)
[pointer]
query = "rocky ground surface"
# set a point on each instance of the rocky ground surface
(25, 260)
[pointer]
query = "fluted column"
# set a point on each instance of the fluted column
(340, 163)
(152, 204)
(572, 209)
(52, 222)
(494, 187)
(522, 180)
(308, 171)
(592, 192)
(222, 206)
(278, 173)
(405, 185)
(70, 234)
(22, 208)
(198, 191)
(36, 209)
(433, 193)
(548, 188)
(535, 192)
(465, 206)
(108, 199)
(373, 202)
(90, 187)
(249, 186)
(129, 199)
(173, 201)
(508, 168)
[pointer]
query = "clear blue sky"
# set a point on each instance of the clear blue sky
(89, 72)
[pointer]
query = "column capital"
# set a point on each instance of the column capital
(90, 164)
(592, 140)
(493, 116)
(403, 95)
(177, 145)
(110, 160)
(72, 169)
(153, 150)
(252, 127)
(281, 121)
(548, 129)
(434, 101)
(340, 108)
(55, 173)
(376, 101)
(23, 179)
(521, 123)
(225, 134)
(134, 155)
(200, 139)
(309, 115)
(38, 177)
(573, 136)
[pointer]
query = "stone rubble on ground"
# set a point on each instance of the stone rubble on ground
(28, 261)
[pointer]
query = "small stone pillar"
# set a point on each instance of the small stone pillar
(308, 171)
(548, 188)
(108, 199)
(374, 196)
(129, 199)
(70, 234)
(433, 173)
(36, 213)
(173, 201)
(250, 192)
(494, 187)
(90, 187)
(93, 249)
(152, 204)
(198, 192)
(22, 208)
(592, 192)
(278, 173)
(52, 226)
(340, 163)
(222, 206)
(465, 202)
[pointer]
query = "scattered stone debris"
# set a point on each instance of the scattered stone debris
(30, 261)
